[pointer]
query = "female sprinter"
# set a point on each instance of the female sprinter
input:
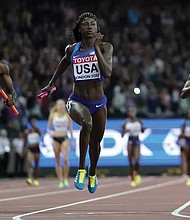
(61, 123)
(185, 93)
(184, 141)
(91, 61)
(133, 127)
(31, 142)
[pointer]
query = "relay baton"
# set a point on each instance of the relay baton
(5, 97)
(45, 93)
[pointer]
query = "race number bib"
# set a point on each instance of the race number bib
(86, 68)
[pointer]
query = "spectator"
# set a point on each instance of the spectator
(4, 152)
(118, 106)
(151, 44)
(18, 144)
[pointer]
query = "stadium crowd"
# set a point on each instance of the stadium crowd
(151, 53)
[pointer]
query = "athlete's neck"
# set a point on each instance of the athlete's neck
(87, 44)
(60, 113)
(132, 119)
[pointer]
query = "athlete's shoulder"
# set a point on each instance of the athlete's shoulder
(38, 130)
(4, 68)
(69, 48)
(2, 62)
(107, 45)
(54, 114)
(26, 131)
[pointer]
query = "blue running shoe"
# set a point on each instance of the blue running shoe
(80, 179)
(92, 183)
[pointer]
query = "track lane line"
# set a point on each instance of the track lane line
(178, 210)
(142, 189)
(102, 186)
(31, 188)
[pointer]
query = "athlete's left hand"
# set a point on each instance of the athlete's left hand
(97, 39)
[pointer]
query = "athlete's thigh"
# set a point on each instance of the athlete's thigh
(30, 157)
(130, 151)
(98, 125)
(65, 149)
(36, 158)
(183, 154)
(56, 149)
(188, 153)
(78, 112)
(137, 152)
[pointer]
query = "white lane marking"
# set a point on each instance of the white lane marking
(178, 210)
(66, 191)
(143, 189)
(27, 188)
(36, 195)
(30, 188)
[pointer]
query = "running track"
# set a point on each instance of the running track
(157, 198)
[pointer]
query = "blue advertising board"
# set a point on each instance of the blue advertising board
(158, 144)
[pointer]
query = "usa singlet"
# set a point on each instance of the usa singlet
(85, 65)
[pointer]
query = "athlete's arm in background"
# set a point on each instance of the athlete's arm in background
(142, 128)
(39, 131)
(25, 150)
(124, 130)
(182, 131)
(7, 83)
(185, 92)
(25, 138)
(50, 120)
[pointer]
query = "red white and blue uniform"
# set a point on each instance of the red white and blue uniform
(85, 68)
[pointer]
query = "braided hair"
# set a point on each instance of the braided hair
(76, 33)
